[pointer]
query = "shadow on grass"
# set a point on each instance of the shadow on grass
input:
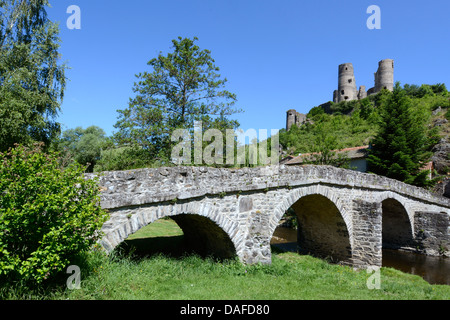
(172, 246)
(175, 247)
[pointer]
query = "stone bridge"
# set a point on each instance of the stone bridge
(344, 215)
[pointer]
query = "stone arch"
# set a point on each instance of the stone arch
(396, 210)
(397, 223)
(199, 220)
(204, 236)
(324, 224)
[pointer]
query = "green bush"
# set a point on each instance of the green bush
(48, 215)
(127, 158)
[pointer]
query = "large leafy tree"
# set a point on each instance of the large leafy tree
(183, 87)
(82, 145)
(401, 147)
(32, 80)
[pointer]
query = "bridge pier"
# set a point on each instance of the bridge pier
(367, 236)
(257, 241)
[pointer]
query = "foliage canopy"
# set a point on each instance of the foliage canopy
(82, 145)
(47, 214)
(402, 145)
(32, 81)
(183, 87)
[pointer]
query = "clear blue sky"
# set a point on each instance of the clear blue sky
(276, 55)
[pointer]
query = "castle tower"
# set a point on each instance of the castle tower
(384, 77)
(294, 117)
(290, 118)
(346, 84)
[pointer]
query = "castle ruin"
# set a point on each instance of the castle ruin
(347, 90)
(384, 79)
(294, 117)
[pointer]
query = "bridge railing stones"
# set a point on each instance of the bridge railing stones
(144, 186)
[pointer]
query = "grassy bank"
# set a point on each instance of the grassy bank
(290, 276)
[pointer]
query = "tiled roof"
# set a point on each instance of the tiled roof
(350, 153)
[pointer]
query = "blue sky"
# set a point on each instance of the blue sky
(276, 55)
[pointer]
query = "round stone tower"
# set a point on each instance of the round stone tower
(290, 118)
(346, 83)
(384, 77)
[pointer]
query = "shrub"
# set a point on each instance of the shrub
(124, 158)
(47, 214)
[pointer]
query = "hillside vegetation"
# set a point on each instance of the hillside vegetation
(355, 123)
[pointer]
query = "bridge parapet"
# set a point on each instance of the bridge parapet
(146, 186)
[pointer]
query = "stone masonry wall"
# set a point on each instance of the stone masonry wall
(367, 233)
(431, 235)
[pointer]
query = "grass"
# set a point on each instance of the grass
(289, 277)
(164, 227)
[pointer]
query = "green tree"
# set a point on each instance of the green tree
(126, 158)
(325, 146)
(183, 87)
(401, 147)
(32, 81)
(83, 145)
(48, 215)
(328, 132)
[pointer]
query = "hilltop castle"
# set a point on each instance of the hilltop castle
(384, 79)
